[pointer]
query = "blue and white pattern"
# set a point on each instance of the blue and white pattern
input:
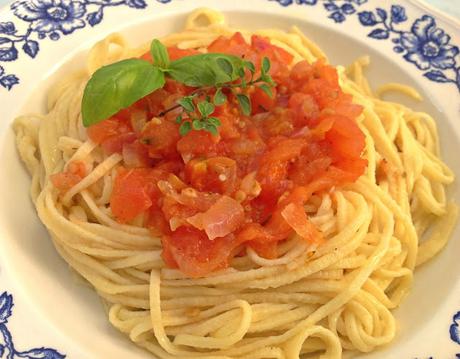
(340, 10)
(426, 46)
(454, 329)
(7, 349)
(49, 19)
(7, 80)
(298, 2)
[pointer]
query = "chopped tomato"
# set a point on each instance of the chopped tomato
(129, 195)
(110, 128)
(156, 220)
(136, 154)
(215, 174)
(197, 143)
(295, 216)
(116, 143)
(305, 108)
(273, 171)
(175, 53)
(135, 191)
(261, 101)
(194, 253)
(276, 54)
(235, 45)
(160, 138)
(268, 250)
(65, 180)
(112, 134)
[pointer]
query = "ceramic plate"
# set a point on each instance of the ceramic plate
(45, 311)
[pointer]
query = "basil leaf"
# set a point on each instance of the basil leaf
(219, 97)
(211, 128)
(268, 79)
(185, 128)
(204, 69)
(179, 119)
(159, 54)
(265, 65)
(187, 103)
(267, 89)
(214, 121)
(198, 125)
(225, 65)
(245, 104)
(250, 66)
(206, 108)
(118, 86)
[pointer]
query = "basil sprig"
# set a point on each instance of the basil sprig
(197, 121)
(119, 85)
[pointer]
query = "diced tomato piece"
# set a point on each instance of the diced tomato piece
(115, 144)
(113, 133)
(305, 109)
(166, 253)
(176, 88)
(275, 53)
(295, 216)
(78, 168)
(328, 73)
(197, 143)
(160, 137)
(304, 170)
(65, 180)
(194, 253)
(261, 101)
(175, 53)
(129, 196)
(235, 45)
(134, 191)
(215, 174)
(346, 138)
(301, 72)
(136, 154)
(106, 129)
(154, 103)
(268, 250)
(156, 220)
(273, 169)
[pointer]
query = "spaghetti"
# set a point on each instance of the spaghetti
(308, 301)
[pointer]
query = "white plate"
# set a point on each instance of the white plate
(51, 308)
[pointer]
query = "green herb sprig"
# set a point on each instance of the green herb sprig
(193, 122)
(119, 85)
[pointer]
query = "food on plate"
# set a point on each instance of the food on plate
(231, 194)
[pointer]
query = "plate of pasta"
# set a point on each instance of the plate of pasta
(267, 179)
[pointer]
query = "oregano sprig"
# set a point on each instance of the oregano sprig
(119, 85)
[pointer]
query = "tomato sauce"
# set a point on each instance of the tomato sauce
(211, 196)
